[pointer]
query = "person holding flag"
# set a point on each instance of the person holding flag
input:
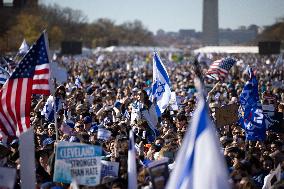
(199, 163)
(31, 76)
(161, 90)
(251, 117)
(219, 69)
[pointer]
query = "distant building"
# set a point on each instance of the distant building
(238, 36)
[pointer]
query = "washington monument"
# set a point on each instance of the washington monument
(210, 29)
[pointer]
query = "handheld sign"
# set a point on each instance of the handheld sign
(226, 115)
(109, 168)
(7, 177)
(80, 162)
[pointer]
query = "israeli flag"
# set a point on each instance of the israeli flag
(4, 75)
(78, 82)
(199, 163)
(161, 85)
(279, 61)
(24, 48)
(131, 162)
(48, 109)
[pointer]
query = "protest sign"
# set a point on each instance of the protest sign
(159, 173)
(272, 177)
(7, 177)
(268, 109)
(226, 115)
(103, 134)
(58, 72)
(173, 101)
(80, 162)
(109, 168)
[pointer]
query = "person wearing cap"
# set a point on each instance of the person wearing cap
(79, 127)
(89, 126)
(48, 145)
(51, 131)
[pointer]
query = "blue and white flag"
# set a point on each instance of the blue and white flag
(131, 162)
(199, 163)
(78, 82)
(24, 48)
(279, 61)
(4, 75)
(161, 85)
(252, 119)
(48, 109)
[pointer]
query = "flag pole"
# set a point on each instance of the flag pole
(27, 159)
(55, 112)
(198, 73)
(55, 119)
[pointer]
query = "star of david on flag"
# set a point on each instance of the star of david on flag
(161, 85)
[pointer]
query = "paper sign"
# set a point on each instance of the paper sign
(273, 177)
(173, 101)
(80, 162)
(58, 72)
(268, 109)
(159, 173)
(7, 177)
(103, 134)
(109, 168)
(226, 115)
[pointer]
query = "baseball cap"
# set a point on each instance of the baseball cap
(51, 126)
(87, 120)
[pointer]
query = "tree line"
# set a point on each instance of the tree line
(69, 24)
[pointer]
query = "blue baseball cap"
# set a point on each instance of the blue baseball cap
(87, 119)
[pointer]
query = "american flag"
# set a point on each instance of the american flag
(220, 68)
(31, 76)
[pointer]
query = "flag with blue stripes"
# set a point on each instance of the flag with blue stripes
(161, 85)
(199, 163)
(252, 119)
(279, 61)
(48, 109)
(78, 82)
(4, 75)
(131, 162)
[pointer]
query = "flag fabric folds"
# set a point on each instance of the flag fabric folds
(161, 85)
(131, 162)
(4, 75)
(31, 76)
(252, 119)
(199, 163)
(219, 69)
(24, 48)
(279, 61)
(78, 82)
(48, 109)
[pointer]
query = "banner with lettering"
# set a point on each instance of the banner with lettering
(76, 161)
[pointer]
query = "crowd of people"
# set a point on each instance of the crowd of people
(111, 90)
